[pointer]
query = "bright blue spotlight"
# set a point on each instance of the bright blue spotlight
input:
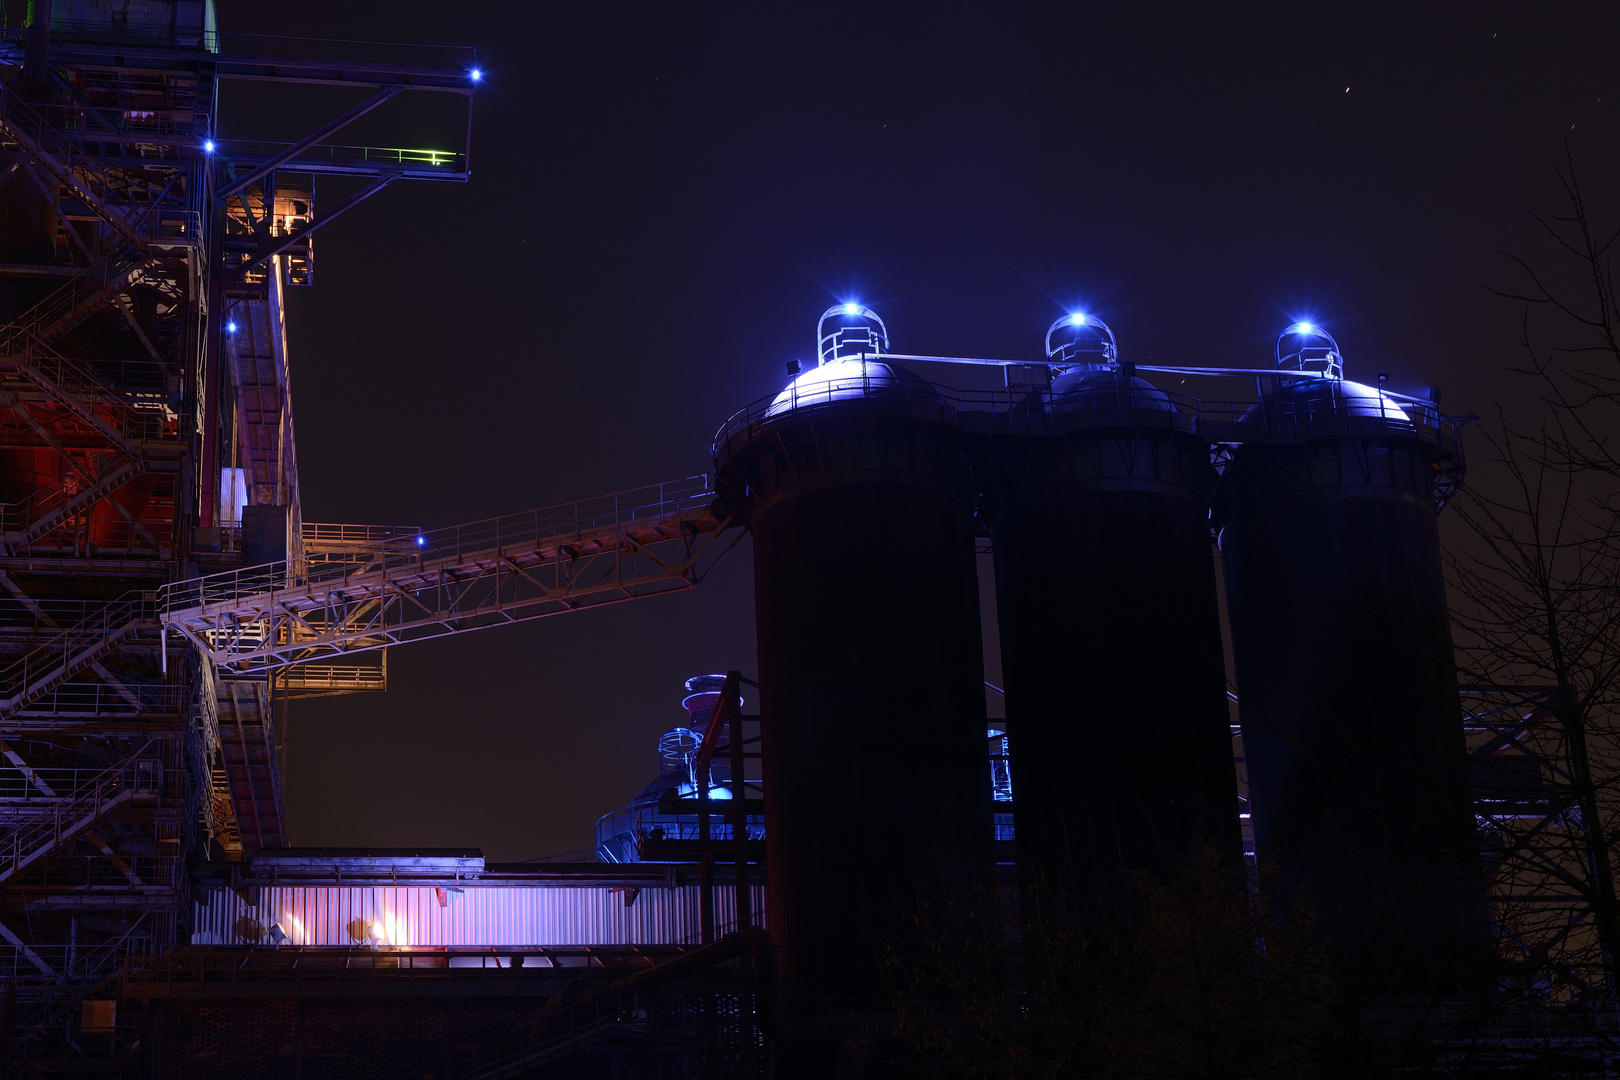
(421, 541)
(208, 146)
(852, 309)
(1078, 319)
(230, 327)
(476, 74)
(1302, 328)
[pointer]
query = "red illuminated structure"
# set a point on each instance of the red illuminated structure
(144, 257)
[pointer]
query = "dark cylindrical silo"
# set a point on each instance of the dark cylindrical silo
(858, 497)
(1117, 711)
(1346, 677)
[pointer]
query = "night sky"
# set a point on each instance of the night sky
(665, 197)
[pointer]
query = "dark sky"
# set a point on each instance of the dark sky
(665, 196)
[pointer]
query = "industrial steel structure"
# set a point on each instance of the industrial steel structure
(160, 593)
(1104, 509)
(859, 440)
(146, 406)
(1062, 446)
(1341, 641)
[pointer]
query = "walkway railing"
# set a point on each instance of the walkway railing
(551, 526)
(66, 819)
(391, 589)
(162, 37)
(1017, 411)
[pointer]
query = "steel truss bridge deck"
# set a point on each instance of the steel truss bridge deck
(406, 588)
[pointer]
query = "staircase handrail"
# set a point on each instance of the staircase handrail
(59, 154)
(23, 517)
(72, 380)
(58, 652)
(90, 282)
(608, 1008)
(96, 968)
(66, 818)
(516, 1052)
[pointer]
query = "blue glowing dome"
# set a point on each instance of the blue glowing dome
(847, 342)
(1323, 399)
(1089, 389)
(1307, 348)
(1096, 381)
(1312, 397)
(1092, 395)
(861, 381)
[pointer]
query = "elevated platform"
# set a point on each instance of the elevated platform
(266, 57)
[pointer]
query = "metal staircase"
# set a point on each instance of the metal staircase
(31, 675)
(23, 523)
(563, 1034)
(119, 123)
(82, 296)
(67, 819)
(60, 156)
(627, 1010)
(73, 385)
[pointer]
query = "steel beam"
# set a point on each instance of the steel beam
(450, 581)
(314, 138)
(279, 244)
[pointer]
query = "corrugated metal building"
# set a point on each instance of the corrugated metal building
(450, 899)
(471, 916)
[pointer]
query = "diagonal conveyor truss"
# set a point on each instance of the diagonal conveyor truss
(398, 589)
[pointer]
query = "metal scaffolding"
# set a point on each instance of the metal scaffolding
(143, 375)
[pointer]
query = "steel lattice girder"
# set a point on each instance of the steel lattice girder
(453, 581)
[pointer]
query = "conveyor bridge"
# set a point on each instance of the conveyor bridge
(395, 586)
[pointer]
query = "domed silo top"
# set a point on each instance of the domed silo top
(1090, 388)
(1323, 398)
(1314, 395)
(848, 338)
(1094, 381)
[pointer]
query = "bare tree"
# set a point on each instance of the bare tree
(1571, 335)
(1535, 588)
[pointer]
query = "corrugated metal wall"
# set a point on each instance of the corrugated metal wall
(479, 916)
